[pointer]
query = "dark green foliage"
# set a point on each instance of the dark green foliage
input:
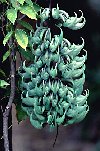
(21, 115)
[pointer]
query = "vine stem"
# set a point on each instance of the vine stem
(56, 137)
(8, 128)
(11, 98)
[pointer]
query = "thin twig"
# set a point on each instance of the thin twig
(21, 17)
(4, 97)
(11, 98)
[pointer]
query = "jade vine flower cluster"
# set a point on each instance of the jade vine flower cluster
(52, 86)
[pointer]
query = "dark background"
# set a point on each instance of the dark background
(5, 67)
(87, 133)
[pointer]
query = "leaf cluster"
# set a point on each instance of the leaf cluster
(12, 18)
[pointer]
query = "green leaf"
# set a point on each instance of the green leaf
(12, 15)
(29, 11)
(2, 73)
(15, 4)
(26, 54)
(3, 1)
(3, 84)
(21, 38)
(6, 55)
(25, 24)
(20, 114)
(21, 1)
(7, 37)
(33, 4)
(36, 7)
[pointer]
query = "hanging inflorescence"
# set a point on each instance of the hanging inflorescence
(52, 86)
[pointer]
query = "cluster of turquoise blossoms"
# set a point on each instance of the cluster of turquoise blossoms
(52, 86)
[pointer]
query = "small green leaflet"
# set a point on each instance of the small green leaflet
(7, 37)
(25, 24)
(21, 1)
(3, 84)
(2, 73)
(12, 15)
(6, 55)
(29, 11)
(21, 38)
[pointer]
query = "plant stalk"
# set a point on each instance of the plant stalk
(11, 98)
